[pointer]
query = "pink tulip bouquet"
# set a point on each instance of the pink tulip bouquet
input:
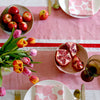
(20, 60)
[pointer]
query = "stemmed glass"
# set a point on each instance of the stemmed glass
(92, 68)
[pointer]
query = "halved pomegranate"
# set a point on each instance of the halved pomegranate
(72, 48)
(62, 57)
(77, 64)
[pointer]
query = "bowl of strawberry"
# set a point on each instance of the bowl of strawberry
(16, 16)
(71, 58)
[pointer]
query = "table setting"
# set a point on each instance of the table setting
(49, 50)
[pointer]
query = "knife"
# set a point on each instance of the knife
(17, 95)
(82, 92)
(49, 6)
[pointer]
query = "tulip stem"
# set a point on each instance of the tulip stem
(0, 78)
(11, 52)
(14, 48)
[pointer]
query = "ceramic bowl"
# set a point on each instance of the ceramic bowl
(22, 9)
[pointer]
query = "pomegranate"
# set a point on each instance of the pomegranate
(77, 64)
(72, 48)
(63, 57)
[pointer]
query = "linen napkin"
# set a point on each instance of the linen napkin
(49, 92)
(81, 7)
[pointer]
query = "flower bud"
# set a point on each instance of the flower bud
(32, 52)
(31, 65)
(34, 79)
(17, 33)
(31, 41)
(2, 91)
(26, 71)
(22, 43)
(18, 66)
(26, 60)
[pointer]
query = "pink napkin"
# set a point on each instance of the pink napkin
(49, 92)
(81, 7)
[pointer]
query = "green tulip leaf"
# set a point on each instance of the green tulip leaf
(8, 41)
(7, 65)
(32, 70)
(12, 46)
(0, 78)
(1, 60)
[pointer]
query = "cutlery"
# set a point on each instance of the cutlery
(56, 2)
(56, 5)
(17, 95)
(82, 92)
(49, 6)
(77, 94)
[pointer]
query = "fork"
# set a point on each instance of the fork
(17, 95)
(49, 6)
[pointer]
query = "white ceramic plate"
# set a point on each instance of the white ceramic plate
(31, 92)
(64, 5)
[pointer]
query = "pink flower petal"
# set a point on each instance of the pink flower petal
(53, 96)
(60, 92)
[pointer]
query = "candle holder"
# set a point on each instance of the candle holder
(92, 68)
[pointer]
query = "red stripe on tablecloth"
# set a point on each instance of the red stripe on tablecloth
(58, 44)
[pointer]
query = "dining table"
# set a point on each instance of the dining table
(58, 28)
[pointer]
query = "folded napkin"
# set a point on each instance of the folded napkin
(81, 7)
(49, 92)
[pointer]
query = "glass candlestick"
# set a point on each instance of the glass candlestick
(92, 68)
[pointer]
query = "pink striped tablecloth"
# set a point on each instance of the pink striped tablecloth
(50, 33)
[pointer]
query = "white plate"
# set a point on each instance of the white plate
(64, 5)
(31, 92)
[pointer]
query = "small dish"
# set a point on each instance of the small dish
(83, 56)
(31, 92)
(64, 6)
(22, 9)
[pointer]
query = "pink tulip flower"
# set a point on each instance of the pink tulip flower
(31, 65)
(34, 79)
(26, 71)
(26, 60)
(32, 52)
(2, 91)
(17, 33)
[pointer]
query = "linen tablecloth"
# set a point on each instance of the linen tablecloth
(49, 34)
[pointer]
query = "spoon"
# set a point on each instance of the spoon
(56, 5)
(77, 94)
